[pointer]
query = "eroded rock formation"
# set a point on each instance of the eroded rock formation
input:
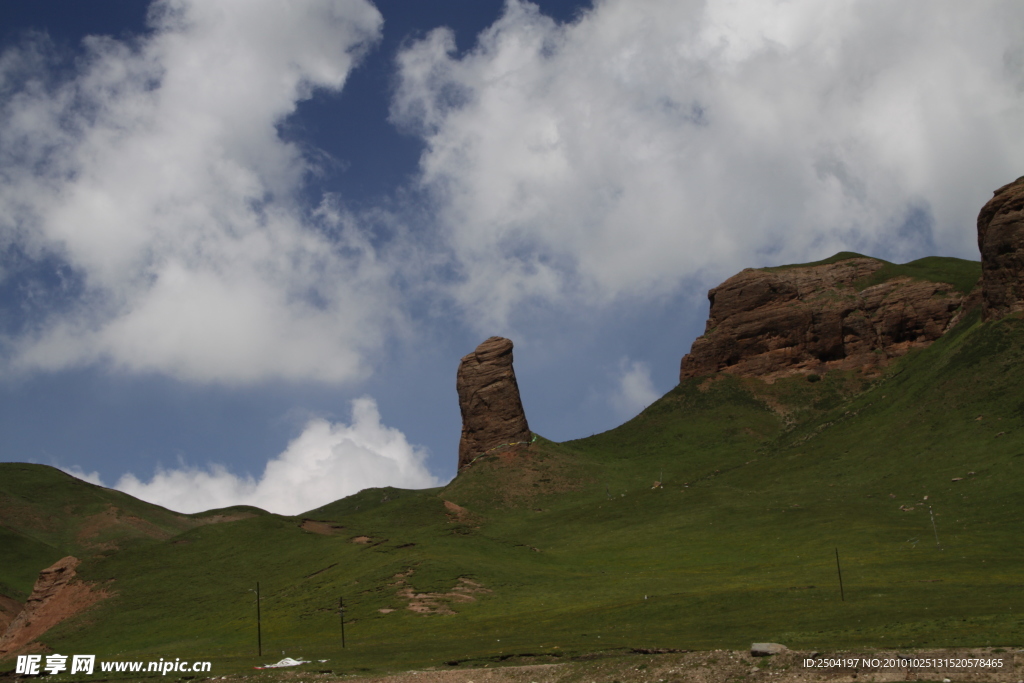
(1001, 242)
(55, 597)
(808, 319)
(492, 412)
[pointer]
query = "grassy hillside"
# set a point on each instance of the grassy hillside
(960, 273)
(46, 514)
(23, 557)
(710, 520)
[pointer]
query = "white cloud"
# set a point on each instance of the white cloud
(326, 462)
(634, 389)
(653, 141)
(158, 175)
(78, 473)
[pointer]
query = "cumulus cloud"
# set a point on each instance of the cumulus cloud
(326, 462)
(78, 473)
(634, 389)
(156, 176)
(652, 141)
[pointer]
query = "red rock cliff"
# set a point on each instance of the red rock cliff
(1001, 242)
(809, 319)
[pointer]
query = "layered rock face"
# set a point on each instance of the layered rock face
(1001, 242)
(810, 319)
(492, 412)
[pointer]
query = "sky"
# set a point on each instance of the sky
(244, 243)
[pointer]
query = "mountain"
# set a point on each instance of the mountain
(713, 519)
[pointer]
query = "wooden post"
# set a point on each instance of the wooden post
(839, 569)
(259, 623)
(341, 612)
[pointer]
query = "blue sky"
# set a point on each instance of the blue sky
(243, 245)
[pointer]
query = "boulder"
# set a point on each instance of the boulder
(774, 322)
(492, 412)
(1001, 242)
(766, 649)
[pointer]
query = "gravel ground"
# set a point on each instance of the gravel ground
(717, 666)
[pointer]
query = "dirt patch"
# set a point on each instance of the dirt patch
(220, 519)
(148, 528)
(525, 473)
(434, 603)
(706, 385)
(361, 539)
(56, 596)
(23, 517)
(93, 525)
(775, 405)
(531, 673)
(459, 515)
(112, 518)
(322, 528)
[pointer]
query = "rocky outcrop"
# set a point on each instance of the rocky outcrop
(56, 596)
(492, 412)
(809, 319)
(1001, 242)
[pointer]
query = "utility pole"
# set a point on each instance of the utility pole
(259, 622)
(842, 595)
(259, 628)
(341, 613)
(934, 528)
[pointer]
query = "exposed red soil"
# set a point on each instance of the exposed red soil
(94, 525)
(56, 596)
(434, 603)
(322, 528)
(220, 519)
(457, 514)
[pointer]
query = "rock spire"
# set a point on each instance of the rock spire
(492, 412)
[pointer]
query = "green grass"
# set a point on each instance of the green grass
(835, 258)
(760, 485)
(23, 557)
(960, 273)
